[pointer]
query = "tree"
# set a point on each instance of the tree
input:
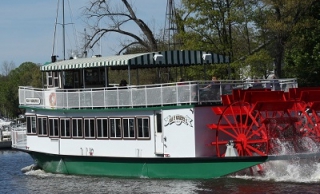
(27, 74)
(7, 67)
(109, 18)
(282, 18)
(224, 27)
(302, 59)
(260, 64)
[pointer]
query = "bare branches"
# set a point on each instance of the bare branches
(106, 17)
(7, 67)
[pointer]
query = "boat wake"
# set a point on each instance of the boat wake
(289, 166)
(33, 170)
(301, 171)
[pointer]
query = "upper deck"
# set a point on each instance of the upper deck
(190, 92)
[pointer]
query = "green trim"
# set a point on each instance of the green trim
(179, 168)
(124, 109)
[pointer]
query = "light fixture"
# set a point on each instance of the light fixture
(206, 56)
(158, 57)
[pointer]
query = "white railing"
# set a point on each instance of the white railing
(141, 96)
(19, 139)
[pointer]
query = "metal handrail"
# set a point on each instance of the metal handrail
(190, 92)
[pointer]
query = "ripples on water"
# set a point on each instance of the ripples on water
(281, 177)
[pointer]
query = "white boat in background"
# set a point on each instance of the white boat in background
(5, 133)
(4, 122)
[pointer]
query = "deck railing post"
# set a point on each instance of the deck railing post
(177, 95)
(104, 97)
(118, 100)
(67, 93)
(79, 100)
(161, 96)
(131, 97)
(91, 93)
(146, 96)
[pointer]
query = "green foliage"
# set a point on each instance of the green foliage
(27, 74)
(256, 33)
(260, 63)
(303, 55)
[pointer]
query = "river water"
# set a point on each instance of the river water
(282, 177)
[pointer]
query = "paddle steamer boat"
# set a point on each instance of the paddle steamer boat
(78, 124)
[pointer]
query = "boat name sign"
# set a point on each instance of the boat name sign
(178, 120)
(32, 100)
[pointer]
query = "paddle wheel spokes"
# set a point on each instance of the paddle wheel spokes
(238, 124)
(308, 110)
(281, 133)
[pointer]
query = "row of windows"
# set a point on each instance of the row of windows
(126, 128)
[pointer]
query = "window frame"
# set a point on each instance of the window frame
(103, 130)
(90, 119)
(52, 79)
(148, 127)
(128, 130)
(31, 127)
(49, 127)
(119, 130)
(40, 126)
(70, 127)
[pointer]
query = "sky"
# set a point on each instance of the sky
(27, 28)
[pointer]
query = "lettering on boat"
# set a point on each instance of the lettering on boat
(178, 120)
(32, 100)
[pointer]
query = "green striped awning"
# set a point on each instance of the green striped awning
(152, 59)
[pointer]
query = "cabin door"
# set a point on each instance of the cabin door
(159, 144)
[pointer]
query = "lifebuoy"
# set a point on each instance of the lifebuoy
(52, 99)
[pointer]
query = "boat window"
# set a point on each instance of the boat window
(65, 130)
(77, 128)
(128, 128)
(42, 126)
(89, 128)
(143, 127)
(159, 123)
(49, 79)
(115, 127)
(53, 127)
(68, 79)
(53, 79)
(31, 125)
(92, 76)
(102, 128)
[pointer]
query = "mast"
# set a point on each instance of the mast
(54, 56)
(63, 32)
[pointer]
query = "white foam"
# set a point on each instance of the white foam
(297, 170)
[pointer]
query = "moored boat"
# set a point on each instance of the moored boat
(4, 123)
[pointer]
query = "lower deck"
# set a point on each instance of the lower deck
(179, 131)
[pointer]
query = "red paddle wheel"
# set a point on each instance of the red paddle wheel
(254, 121)
(263, 122)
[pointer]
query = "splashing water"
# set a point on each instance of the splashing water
(60, 166)
(294, 170)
